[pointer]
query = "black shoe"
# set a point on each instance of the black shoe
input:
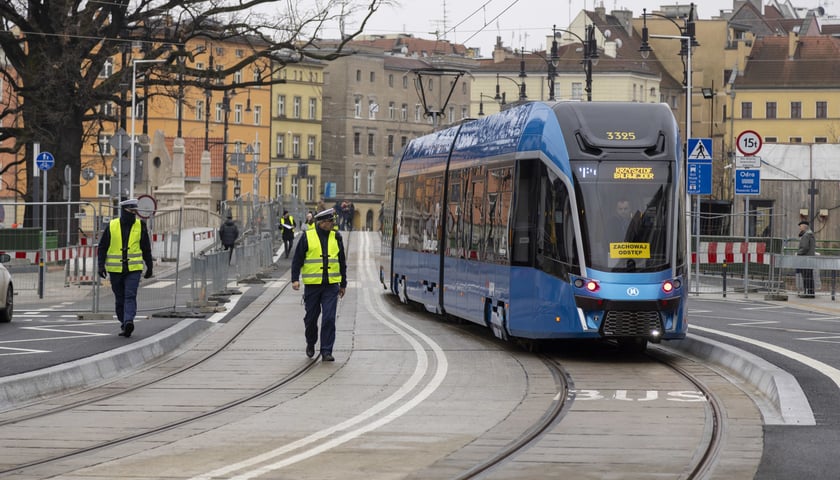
(129, 327)
(327, 357)
(310, 351)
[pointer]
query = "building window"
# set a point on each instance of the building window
(464, 113)
(237, 77)
(220, 109)
(372, 77)
(820, 139)
(281, 152)
(392, 111)
(107, 69)
(296, 107)
(357, 143)
(370, 144)
(770, 139)
(771, 109)
(417, 111)
(313, 108)
(310, 146)
(746, 109)
(296, 146)
(103, 186)
(822, 109)
(358, 75)
(404, 112)
(391, 80)
(281, 105)
(577, 90)
(257, 114)
(294, 186)
(403, 141)
(795, 109)
(237, 113)
(357, 107)
(405, 81)
(106, 108)
(795, 140)
(390, 145)
(310, 189)
(451, 115)
(356, 180)
(370, 178)
(464, 88)
(372, 109)
(278, 186)
(105, 144)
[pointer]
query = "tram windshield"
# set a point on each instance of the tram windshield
(626, 214)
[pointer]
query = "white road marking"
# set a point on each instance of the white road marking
(827, 370)
(19, 351)
(374, 413)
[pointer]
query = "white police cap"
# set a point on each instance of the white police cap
(327, 214)
(130, 203)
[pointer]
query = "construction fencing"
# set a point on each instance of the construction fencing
(729, 265)
(191, 268)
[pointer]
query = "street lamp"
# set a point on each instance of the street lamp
(134, 117)
(501, 97)
(590, 55)
(226, 112)
(481, 98)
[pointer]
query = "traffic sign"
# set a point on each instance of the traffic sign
(700, 149)
(747, 162)
(699, 178)
(749, 142)
(747, 182)
(146, 206)
(45, 161)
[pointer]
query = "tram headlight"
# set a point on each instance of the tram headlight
(668, 286)
(592, 286)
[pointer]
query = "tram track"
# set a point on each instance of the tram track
(114, 393)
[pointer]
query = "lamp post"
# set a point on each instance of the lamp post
(590, 55)
(553, 61)
(501, 98)
(481, 98)
(226, 112)
(687, 42)
(134, 118)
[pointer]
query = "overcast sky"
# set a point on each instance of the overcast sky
(477, 23)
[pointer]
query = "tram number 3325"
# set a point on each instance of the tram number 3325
(639, 396)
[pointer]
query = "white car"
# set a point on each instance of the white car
(7, 292)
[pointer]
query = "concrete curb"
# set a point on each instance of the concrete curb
(85, 372)
(784, 401)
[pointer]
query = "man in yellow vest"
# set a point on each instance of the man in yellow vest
(123, 249)
(287, 225)
(320, 262)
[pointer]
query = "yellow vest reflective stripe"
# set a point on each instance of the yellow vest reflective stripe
(312, 272)
(291, 220)
(114, 256)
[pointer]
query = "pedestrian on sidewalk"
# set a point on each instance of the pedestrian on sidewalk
(228, 233)
(320, 261)
(123, 249)
(287, 224)
(807, 247)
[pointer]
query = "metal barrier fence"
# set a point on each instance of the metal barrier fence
(180, 238)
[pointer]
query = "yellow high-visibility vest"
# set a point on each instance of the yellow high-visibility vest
(312, 272)
(134, 256)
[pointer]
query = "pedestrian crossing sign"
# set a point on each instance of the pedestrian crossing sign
(700, 149)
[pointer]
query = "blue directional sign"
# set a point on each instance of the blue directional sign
(699, 178)
(747, 182)
(45, 161)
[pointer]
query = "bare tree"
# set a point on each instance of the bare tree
(57, 54)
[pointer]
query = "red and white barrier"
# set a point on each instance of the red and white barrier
(56, 255)
(731, 252)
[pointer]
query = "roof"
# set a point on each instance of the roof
(193, 148)
(815, 63)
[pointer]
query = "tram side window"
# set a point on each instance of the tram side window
(555, 246)
(525, 213)
(498, 201)
(475, 213)
(454, 220)
(403, 214)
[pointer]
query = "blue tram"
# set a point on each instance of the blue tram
(545, 221)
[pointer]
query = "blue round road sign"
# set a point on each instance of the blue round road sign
(45, 161)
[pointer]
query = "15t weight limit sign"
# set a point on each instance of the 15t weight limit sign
(749, 142)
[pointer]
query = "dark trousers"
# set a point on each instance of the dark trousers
(807, 280)
(229, 248)
(124, 286)
(287, 244)
(320, 300)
